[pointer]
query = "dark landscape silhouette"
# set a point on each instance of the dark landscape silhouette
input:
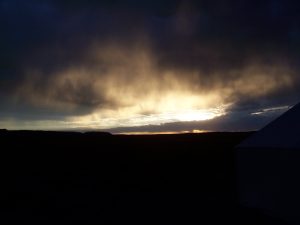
(99, 178)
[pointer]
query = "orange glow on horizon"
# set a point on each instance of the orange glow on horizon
(163, 132)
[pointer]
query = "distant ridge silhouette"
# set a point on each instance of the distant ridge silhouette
(97, 133)
(54, 133)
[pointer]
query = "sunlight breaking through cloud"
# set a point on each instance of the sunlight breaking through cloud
(97, 121)
(97, 64)
(125, 86)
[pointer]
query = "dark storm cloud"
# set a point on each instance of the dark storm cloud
(221, 40)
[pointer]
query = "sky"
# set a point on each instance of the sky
(147, 66)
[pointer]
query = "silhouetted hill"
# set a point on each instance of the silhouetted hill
(52, 133)
(97, 133)
(98, 178)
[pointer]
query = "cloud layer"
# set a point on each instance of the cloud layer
(103, 63)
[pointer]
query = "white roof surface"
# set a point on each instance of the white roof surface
(283, 132)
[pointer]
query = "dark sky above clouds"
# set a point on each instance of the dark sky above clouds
(146, 64)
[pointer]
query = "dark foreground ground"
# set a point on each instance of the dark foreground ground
(97, 178)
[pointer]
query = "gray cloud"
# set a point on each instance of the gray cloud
(73, 58)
